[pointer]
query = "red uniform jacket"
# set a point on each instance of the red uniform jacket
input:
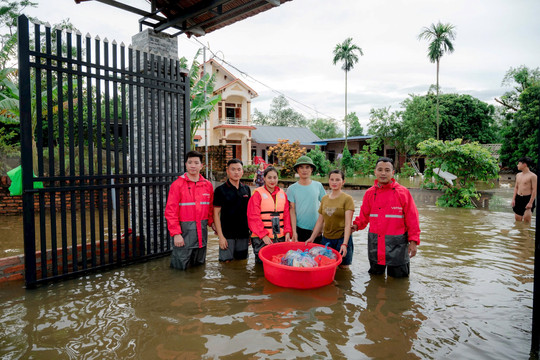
(189, 210)
(254, 216)
(393, 222)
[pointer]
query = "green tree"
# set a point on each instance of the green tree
(469, 162)
(324, 128)
(347, 53)
(386, 128)
(9, 11)
(322, 165)
(440, 36)
(355, 128)
(520, 115)
(280, 114)
(201, 103)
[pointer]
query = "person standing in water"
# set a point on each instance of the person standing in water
(394, 227)
(335, 219)
(188, 213)
(268, 214)
(523, 201)
(304, 199)
(230, 214)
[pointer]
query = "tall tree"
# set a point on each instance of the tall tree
(346, 52)
(440, 37)
(280, 114)
(521, 121)
(324, 128)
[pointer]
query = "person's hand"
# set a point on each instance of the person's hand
(343, 250)
(528, 206)
(294, 236)
(354, 227)
(412, 248)
(287, 237)
(267, 240)
(213, 226)
(513, 203)
(223, 243)
(310, 240)
(178, 240)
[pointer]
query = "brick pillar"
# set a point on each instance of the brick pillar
(162, 47)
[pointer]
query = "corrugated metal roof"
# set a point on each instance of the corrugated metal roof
(271, 135)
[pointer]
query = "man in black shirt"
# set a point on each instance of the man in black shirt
(230, 214)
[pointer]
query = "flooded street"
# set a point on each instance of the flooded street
(469, 296)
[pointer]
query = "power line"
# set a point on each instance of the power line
(246, 75)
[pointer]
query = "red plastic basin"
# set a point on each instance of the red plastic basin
(296, 277)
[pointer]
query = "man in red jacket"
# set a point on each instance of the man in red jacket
(394, 228)
(188, 212)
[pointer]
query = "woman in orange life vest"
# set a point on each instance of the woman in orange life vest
(268, 214)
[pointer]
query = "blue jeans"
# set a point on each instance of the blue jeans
(336, 244)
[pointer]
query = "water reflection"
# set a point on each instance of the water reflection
(469, 297)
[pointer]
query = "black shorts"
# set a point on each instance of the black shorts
(304, 234)
(521, 202)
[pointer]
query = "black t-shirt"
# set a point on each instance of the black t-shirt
(233, 203)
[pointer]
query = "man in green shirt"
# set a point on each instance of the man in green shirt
(304, 200)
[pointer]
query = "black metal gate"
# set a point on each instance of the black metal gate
(103, 134)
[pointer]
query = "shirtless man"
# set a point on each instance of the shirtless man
(523, 202)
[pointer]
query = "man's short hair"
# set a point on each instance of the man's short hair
(234, 161)
(526, 160)
(192, 154)
(385, 159)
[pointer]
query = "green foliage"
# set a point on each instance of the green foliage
(364, 161)
(325, 128)
(280, 114)
(201, 104)
(347, 163)
(386, 128)
(470, 162)
(322, 165)
(355, 128)
(407, 170)
(521, 115)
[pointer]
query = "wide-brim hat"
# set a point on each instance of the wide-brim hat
(304, 160)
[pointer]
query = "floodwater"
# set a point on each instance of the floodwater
(469, 296)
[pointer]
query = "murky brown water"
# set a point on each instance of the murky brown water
(469, 297)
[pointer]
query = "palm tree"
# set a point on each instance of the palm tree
(346, 52)
(440, 36)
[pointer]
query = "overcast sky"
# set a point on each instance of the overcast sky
(289, 49)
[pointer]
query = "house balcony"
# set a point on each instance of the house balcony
(233, 122)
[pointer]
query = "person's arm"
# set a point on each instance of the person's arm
(412, 224)
(292, 209)
(172, 215)
(223, 244)
(347, 232)
(362, 220)
(533, 192)
(254, 217)
(211, 206)
(516, 189)
(316, 229)
(287, 220)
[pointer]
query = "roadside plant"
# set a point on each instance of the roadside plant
(322, 164)
(469, 162)
(287, 155)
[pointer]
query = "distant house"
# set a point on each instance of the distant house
(333, 147)
(230, 123)
(264, 137)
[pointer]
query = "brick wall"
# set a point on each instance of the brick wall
(12, 268)
(12, 205)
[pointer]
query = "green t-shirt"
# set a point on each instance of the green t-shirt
(333, 212)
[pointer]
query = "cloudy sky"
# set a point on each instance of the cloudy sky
(288, 49)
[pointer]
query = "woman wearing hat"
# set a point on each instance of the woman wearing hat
(304, 198)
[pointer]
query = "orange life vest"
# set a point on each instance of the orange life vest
(269, 209)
